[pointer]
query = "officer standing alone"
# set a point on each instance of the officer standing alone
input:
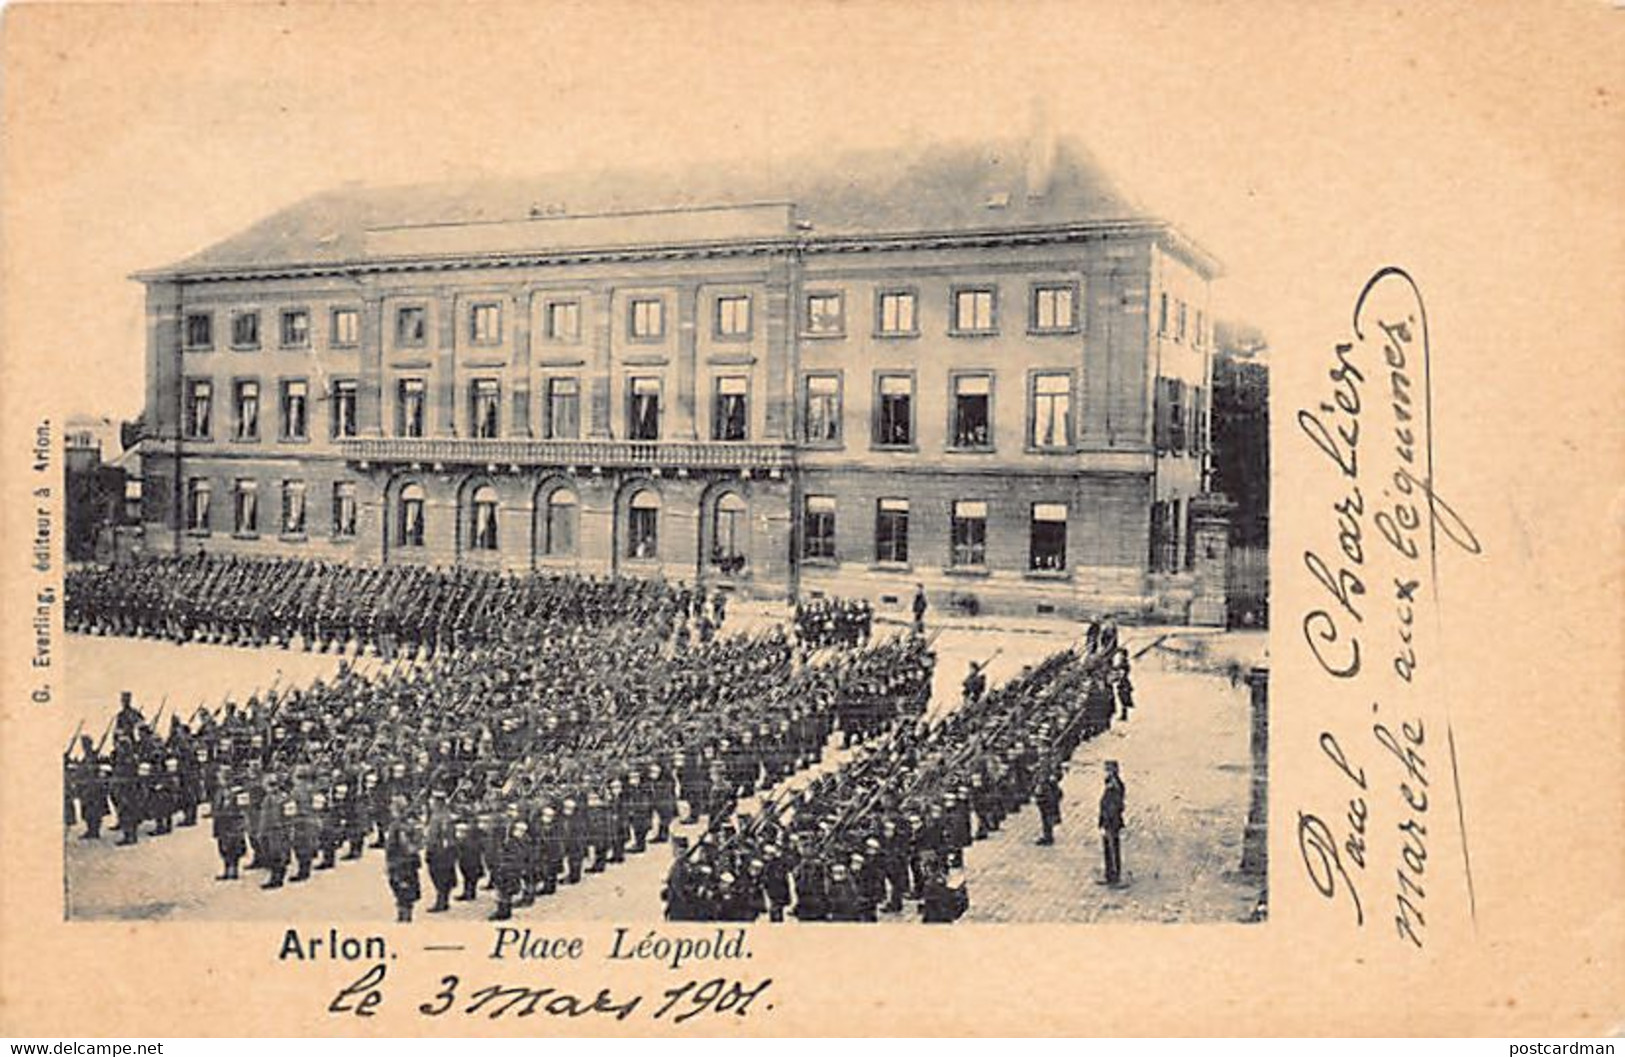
(1111, 823)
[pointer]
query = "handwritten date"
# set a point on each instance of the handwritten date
(684, 1002)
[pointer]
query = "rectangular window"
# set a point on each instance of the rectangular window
(344, 509)
(485, 324)
(411, 326)
(1179, 334)
(563, 322)
(295, 328)
(821, 416)
(968, 534)
(1055, 308)
(643, 409)
(973, 411)
(246, 495)
(246, 423)
(1201, 329)
(1052, 411)
(894, 411)
(295, 408)
(733, 317)
(197, 504)
(894, 313)
(484, 408)
(293, 508)
(818, 528)
(199, 330)
(891, 531)
(731, 409)
(973, 310)
(199, 409)
(245, 330)
(1178, 424)
(344, 408)
(563, 409)
(647, 318)
(1162, 316)
(409, 399)
(1048, 537)
(346, 328)
(826, 314)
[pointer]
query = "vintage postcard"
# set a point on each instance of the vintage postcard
(820, 519)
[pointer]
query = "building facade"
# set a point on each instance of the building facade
(994, 385)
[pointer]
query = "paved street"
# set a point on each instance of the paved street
(1184, 757)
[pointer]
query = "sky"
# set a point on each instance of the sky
(1284, 138)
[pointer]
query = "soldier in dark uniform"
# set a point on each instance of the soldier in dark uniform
(920, 607)
(229, 814)
(675, 893)
(663, 794)
(132, 801)
(403, 859)
(1112, 800)
(1047, 795)
(441, 852)
(276, 842)
(95, 785)
(467, 839)
(512, 867)
(306, 833)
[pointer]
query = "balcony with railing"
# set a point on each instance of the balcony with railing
(617, 454)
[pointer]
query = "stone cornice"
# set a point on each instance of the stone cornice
(805, 244)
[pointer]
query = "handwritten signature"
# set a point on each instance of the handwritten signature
(1400, 500)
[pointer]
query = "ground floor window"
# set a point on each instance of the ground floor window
(293, 508)
(410, 520)
(968, 534)
(1049, 537)
(246, 497)
(344, 509)
(482, 534)
(818, 528)
(643, 526)
(891, 531)
(728, 532)
(559, 523)
(197, 504)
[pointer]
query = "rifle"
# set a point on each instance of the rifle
(105, 732)
(74, 737)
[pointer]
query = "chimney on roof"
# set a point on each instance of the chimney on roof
(1040, 151)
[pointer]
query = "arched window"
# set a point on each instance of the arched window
(410, 522)
(482, 534)
(728, 531)
(643, 525)
(559, 524)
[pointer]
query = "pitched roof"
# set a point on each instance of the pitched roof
(940, 189)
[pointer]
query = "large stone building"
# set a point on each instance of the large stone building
(981, 370)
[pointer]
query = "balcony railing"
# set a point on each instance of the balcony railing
(632, 454)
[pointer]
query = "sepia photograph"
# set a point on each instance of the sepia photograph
(851, 539)
(834, 519)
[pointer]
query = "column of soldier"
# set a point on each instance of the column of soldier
(894, 823)
(561, 725)
(418, 610)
